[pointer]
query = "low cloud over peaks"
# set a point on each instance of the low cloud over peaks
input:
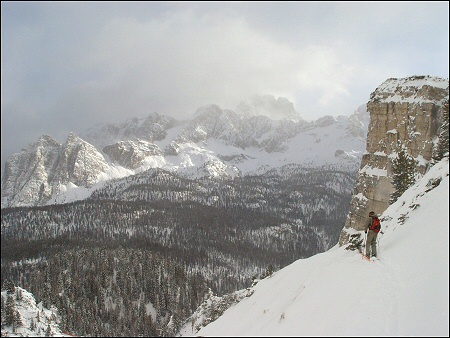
(267, 105)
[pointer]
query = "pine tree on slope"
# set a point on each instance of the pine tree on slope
(404, 173)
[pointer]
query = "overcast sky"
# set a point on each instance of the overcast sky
(68, 65)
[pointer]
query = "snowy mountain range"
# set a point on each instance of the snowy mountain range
(215, 143)
(404, 292)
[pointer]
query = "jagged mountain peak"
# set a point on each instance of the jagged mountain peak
(212, 113)
(74, 141)
(72, 138)
(216, 142)
(359, 120)
(139, 124)
(131, 154)
(46, 141)
(325, 121)
(46, 168)
(151, 128)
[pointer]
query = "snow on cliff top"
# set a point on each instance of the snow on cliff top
(411, 89)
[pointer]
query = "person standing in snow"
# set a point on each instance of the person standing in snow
(373, 226)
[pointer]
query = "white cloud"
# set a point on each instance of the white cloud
(178, 62)
(191, 61)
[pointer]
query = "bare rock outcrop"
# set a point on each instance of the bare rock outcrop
(131, 154)
(404, 112)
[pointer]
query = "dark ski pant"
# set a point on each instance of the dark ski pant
(371, 243)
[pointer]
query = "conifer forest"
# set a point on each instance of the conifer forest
(141, 254)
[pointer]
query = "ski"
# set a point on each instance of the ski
(365, 257)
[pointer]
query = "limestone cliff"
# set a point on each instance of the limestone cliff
(405, 111)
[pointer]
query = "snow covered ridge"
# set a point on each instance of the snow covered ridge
(22, 317)
(411, 89)
(337, 293)
(215, 143)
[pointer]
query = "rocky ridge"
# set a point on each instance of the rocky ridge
(215, 142)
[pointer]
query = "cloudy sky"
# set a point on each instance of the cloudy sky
(68, 65)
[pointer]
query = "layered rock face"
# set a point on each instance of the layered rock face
(405, 112)
(131, 154)
(35, 174)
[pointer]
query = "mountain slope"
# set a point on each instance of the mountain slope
(337, 293)
(35, 319)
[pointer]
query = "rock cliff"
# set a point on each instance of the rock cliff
(405, 112)
(35, 174)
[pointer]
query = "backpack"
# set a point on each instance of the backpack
(376, 225)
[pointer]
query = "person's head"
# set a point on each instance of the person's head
(371, 214)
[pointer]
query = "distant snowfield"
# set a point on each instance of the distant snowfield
(337, 293)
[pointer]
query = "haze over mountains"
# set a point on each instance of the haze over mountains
(216, 142)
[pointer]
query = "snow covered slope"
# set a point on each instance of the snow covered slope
(35, 319)
(337, 293)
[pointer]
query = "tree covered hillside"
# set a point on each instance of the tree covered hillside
(157, 241)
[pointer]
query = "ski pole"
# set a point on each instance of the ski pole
(378, 246)
(365, 243)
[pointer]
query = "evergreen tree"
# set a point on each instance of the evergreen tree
(9, 286)
(19, 295)
(404, 173)
(443, 143)
(32, 325)
(2, 312)
(48, 332)
(171, 328)
(17, 320)
(268, 273)
(10, 309)
(355, 242)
